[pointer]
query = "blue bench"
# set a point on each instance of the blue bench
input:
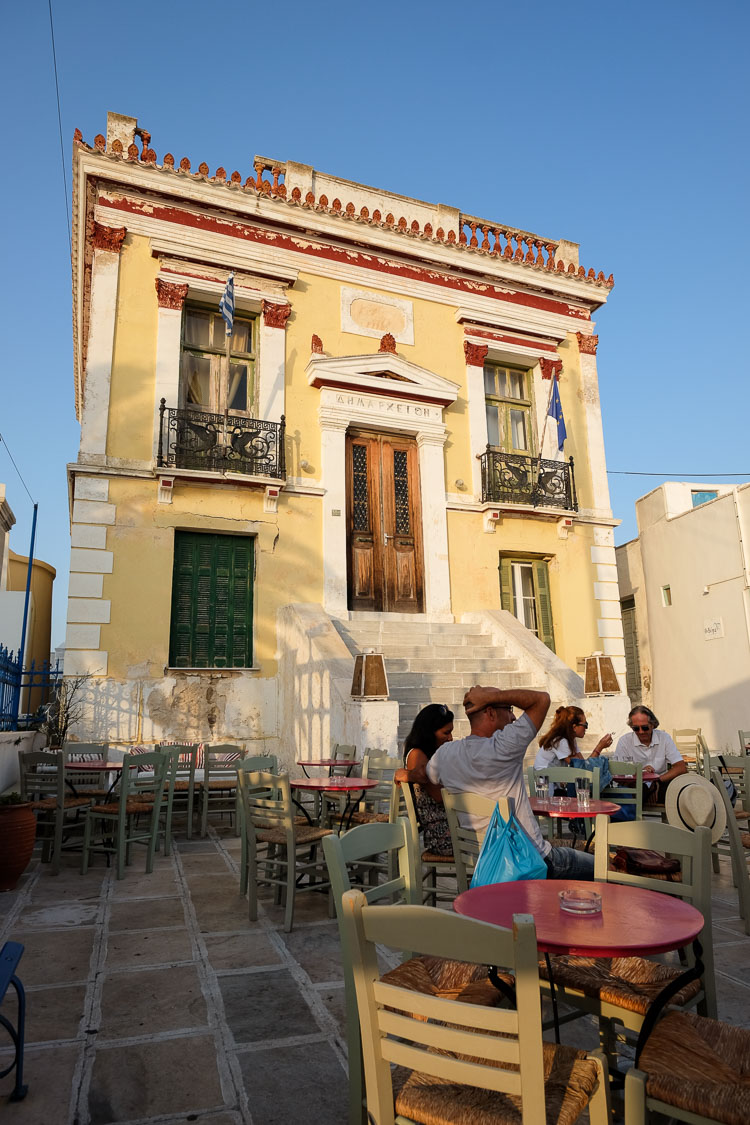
(10, 955)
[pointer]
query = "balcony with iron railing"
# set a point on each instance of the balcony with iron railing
(220, 443)
(517, 478)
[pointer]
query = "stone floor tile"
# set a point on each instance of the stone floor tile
(237, 951)
(164, 1077)
(156, 885)
(211, 884)
(221, 917)
(195, 846)
(732, 959)
(210, 862)
(146, 914)
(152, 1001)
(148, 947)
(259, 1006)
(55, 956)
(48, 1073)
(733, 1000)
(52, 1013)
(318, 950)
(335, 1001)
(308, 907)
(281, 1080)
(46, 915)
(68, 885)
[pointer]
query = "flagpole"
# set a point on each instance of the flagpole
(546, 413)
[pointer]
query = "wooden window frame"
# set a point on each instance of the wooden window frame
(542, 594)
(219, 375)
(503, 404)
(206, 630)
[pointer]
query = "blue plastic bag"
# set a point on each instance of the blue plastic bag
(507, 854)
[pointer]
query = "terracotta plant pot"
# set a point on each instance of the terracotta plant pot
(17, 835)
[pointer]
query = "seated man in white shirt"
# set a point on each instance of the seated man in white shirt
(653, 747)
(490, 762)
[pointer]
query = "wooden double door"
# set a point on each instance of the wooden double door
(384, 523)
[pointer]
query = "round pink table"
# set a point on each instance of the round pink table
(348, 785)
(571, 810)
(633, 922)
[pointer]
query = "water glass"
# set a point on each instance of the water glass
(583, 791)
(541, 787)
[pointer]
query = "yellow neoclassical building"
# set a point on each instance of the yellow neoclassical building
(368, 461)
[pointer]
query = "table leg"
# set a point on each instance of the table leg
(666, 994)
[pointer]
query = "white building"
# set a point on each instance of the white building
(685, 598)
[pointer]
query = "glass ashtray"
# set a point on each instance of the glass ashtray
(580, 901)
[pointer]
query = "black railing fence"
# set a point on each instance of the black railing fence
(220, 443)
(517, 478)
(24, 695)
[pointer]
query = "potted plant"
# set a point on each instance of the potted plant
(17, 835)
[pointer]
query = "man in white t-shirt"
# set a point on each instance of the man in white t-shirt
(655, 748)
(490, 762)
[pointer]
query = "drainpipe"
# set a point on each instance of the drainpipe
(744, 561)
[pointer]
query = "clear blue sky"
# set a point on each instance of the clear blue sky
(619, 126)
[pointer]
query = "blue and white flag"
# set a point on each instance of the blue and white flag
(226, 304)
(555, 411)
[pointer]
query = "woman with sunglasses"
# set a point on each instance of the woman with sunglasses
(655, 748)
(558, 746)
(433, 727)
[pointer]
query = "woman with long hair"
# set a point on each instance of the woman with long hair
(432, 728)
(558, 746)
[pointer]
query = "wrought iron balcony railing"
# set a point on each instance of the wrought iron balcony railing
(220, 443)
(516, 478)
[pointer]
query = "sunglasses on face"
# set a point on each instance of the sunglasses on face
(580, 723)
(642, 730)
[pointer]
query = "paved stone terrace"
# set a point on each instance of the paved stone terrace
(154, 999)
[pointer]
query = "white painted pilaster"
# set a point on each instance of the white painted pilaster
(271, 362)
(169, 327)
(477, 424)
(105, 271)
(434, 524)
(595, 435)
(333, 473)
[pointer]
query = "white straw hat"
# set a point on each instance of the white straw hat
(692, 801)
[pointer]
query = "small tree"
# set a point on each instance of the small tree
(65, 708)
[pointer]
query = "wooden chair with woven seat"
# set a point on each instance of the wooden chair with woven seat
(217, 785)
(181, 794)
(743, 737)
(691, 1069)
(266, 763)
(42, 781)
(286, 850)
(688, 742)
(113, 827)
(431, 975)
(628, 787)
(459, 1062)
(375, 803)
(430, 865)
(461, 810)
(738, 851)
(620, 990)
(89, 784)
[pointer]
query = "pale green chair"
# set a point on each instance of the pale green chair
(430, 865)
(59, 811)
(217, 784)
(737, 852)
(744, 740)
(620, 992)
(113, 827)
(285, 850)
(88, 784)
(261, 762)
(689, 1070)
(181, 790)
(628, 787)
(344, 856)
(467, 840)
(457, 1061)
(375, 803)
(562, 775)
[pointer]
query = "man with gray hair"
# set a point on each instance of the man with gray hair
(490, 762)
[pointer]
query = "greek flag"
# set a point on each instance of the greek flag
(555, 411)
(226, 304)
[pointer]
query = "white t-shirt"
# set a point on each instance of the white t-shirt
(553, 755)
(492, 767)
(660, 754)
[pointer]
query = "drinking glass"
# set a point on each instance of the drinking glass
(583, 791)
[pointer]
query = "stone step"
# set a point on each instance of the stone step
(427, 678)
(387, 624)
(386, 644)
(439, 664)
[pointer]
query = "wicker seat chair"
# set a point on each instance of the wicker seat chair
(430, 865)
(459, 1062)
(217, 785)
(620, 990)
(467, 841)
(737, 847)
(691, 1069)
(628, 785)
(114, 826)
(42, 781)
(433, 976)
(279, 851)
(375, 804)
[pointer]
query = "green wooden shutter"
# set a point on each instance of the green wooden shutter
(544, 605)
(212, 601)
(506, 585)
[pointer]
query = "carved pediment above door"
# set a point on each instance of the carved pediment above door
(381, 373)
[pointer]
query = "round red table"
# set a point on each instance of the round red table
(571, 810)
(348, 785)
(633, 922)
